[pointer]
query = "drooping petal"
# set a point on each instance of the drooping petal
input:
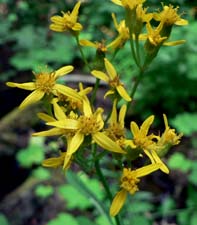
(181, 22)
(67, 161)
(75, 142)
(123, 93)
(63, 70)
(163, 167)
(117, 2)
(145, 170)
(87, 108)
(57, 27)
(65, 124)
(59, 113)
(110, 92)
(110, 69)
(71, 93)
(100, 75)
(30, 86)
(51, 132)
(118, 202)
(106, 143)
(32, 98)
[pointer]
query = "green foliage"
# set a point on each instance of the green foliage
(44, 191)
(185, 123)
(41, 173)
(63, 218)
(80, 199)
(33, 154)
(3, 220)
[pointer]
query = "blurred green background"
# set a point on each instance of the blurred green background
(33, 195)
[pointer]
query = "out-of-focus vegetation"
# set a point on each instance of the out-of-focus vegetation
(168, 87)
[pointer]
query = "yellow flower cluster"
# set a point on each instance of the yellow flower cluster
(73, 115)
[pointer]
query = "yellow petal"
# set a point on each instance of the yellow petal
(87, 108)
(113, 117)
(27, 86)
(57, 28)
(134, 128)
(110, 69)
(34, 97)
(59, 113)
(45, 117)
(75, 11)
(63, 70)
(87, 43)
(57, 19)
(181, 22)
(75, 143)
(77, 27)
(50, 132)
(122, 92)
(65, 124)
(122, 114)
(100, 75)
(163, 167)
(67, 161)
(145, 170)
(67, 91)
(146, 125)
(174, 43)
(106, 143)
(110, 92)
(118, 202)
(117, 2)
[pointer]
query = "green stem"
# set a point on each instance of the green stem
(139, 77)
(82, 54)
(96, 86)
(106, 187)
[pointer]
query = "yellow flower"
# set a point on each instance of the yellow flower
(143, 141)
(129, 181)
(55, 162)
(123, 34)
(167, 139)
(67, 22)
(116, 129)
(99, 46)
(130, 4)
(169, 16)
(113, 80)
(88, 124)
(45, 84)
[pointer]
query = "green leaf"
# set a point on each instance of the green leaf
(167, 205)
(33, 154)
(82, 220)
(44, 191)
(62, 219)
(3, 220)
(183, 217)
(185, 123)
(139, 207)
(139, 220)
(179, 161)
(41, 173)
(193, 219)
(73, 197)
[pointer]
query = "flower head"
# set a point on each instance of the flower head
(67, 22)
(113, 80)
(130, 4)
(146, 142)
(99, 46)
(123, 34)
(45, 84)
(129, 184)
(169, 16)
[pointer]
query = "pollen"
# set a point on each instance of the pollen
(45, 82)
(89, 125)
(129, 181)
(115, 131)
